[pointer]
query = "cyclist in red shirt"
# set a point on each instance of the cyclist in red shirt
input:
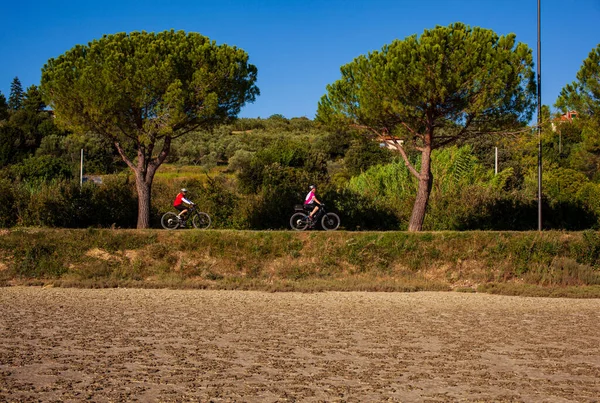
(180, 199)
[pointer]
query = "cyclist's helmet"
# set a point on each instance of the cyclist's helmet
(184, 190)
(311, 187)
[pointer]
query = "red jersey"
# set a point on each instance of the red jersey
(179, 199)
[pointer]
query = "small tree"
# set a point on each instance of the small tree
(15, 99)
(32, 100)
(583, 96)
(142, 90)
(429, 91)
(3, 107)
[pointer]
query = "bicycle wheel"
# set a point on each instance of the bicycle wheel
(170, 220)
(330, 222)
(201, 220)
(299, 222)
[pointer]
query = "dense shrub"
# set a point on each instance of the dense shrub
(60, 204)
(282, 188)
(42, 168)
(282, 153)
(114, 203)
(364, 153)
(67, 204)
(8, 216)
(270, 163)
(358, 212)
(220, 201)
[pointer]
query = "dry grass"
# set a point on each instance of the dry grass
(551, 264)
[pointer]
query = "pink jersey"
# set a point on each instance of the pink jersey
(310, 197)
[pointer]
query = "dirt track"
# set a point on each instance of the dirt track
(164, 345)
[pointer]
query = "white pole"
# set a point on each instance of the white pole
(559, 144)
(81, 169)
(496, 162)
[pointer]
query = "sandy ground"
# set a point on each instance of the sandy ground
(171, 346)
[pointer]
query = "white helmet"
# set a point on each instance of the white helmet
(184, 190)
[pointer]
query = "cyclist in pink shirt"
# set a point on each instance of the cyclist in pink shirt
(311, 201)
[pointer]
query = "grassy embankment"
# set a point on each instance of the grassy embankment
(515, 263)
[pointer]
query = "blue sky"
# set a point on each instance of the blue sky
(298, 46)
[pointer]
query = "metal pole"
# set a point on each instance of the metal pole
(81, 169)
(539, 114)
(496, 162)
(559, 143)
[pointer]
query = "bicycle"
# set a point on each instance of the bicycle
(300, 220)
(199, 219)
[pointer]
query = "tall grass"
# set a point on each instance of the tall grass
(527, 263)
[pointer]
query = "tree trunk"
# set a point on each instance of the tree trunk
(144, 175)
(143, 190)
(423, 192)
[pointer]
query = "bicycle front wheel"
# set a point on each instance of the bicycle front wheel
(201, 220)
(299, 222)
(330, 222)
(170, 220)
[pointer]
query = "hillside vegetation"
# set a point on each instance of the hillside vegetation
(518, 263)
(248, 175)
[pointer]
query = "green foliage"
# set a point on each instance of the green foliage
(114, 203)
(583, 95)
(226, 143)
(42, 168)
(100, 156)
(8, 151)
(450, 83)
(146, 89)
(281, 188)
(23, 128)
(3, 107)
(364, 153)
(456, 169)
(240, 160)
(38, 261)
(361, 212)
(390, 183)
(549, 264)
(15, 100)
(281, 154)
(259, 168)
(65, 204)
(444, 74)
(8, 213)
(334, 144)
(59, 204)
(587, 249)
(467, 196)
(32, 100)
(589, 195)
(220, 202)
(194, 82)
(561, 184)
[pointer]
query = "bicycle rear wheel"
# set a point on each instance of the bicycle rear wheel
(170, 220)
(201, 220)
(330, 222)
(299, 221)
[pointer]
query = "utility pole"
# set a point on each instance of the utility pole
(81, 170)
(539, 113)
(496, 161)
